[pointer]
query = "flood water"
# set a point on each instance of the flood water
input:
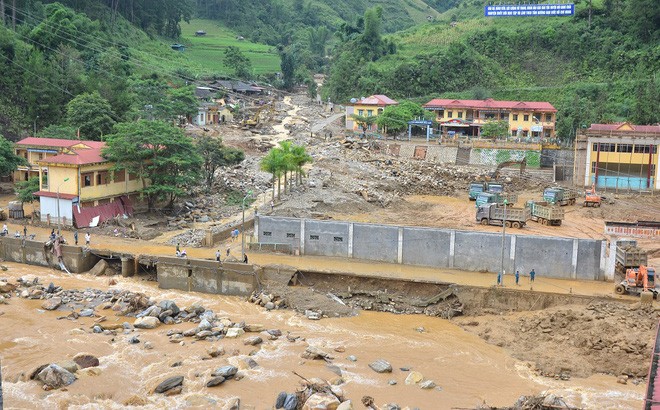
(467, 370)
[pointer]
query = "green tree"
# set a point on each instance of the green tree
(181, 102)
(237, 61)
(215, 155)
(65, 132)
(288, 66)
(395, 117)
(495, 129)
(274, 163)
(312, 89)
(364, 122)
(300, 159)
(25, 190)
(8, 160)
(164, 159)
(92, 114)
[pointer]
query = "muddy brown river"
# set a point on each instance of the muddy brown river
(468, 371)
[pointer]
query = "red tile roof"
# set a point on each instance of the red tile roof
(378, 99)
(79, 157)
(491, 104)
(58, 142)
(618, 125)
(54, 195)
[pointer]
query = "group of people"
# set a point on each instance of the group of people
(500, 277)
(234, 234)
(180, 253)
(219, 259)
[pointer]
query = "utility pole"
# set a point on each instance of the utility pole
(243, 226)
(503, 240)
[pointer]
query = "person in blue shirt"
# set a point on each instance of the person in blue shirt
(517, 277)
(531, 275)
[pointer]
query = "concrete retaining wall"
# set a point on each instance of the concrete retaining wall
(32, 253)
(200, 275)
(443, 248)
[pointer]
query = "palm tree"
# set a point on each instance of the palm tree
(272, 163)
(300, 159)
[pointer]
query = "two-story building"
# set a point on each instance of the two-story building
(35, 149)
(619, 156)
(366, 107)
(79, 187)
(466, 117)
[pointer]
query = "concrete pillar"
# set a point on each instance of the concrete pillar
(399, 256)
(127, 267)
(350, 240)
(602, 275)
(209, 238)
(574, 259)
(512, 253)
(302, 237)
(452, 243)
(611, 260)
(255, 233)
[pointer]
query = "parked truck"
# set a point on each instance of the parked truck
(495, 198)
(545, 213)
(560, 196)
(498, 214)
(475, 189)
(629, 256)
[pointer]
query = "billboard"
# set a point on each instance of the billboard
(529, 10)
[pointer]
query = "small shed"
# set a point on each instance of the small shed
(200, 33)
(178, 47)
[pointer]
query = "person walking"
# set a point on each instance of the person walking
(272, 206)
(517, 277)
(499, 278)
(228, 250)
(75, 237)
(245, 258)
(88, 238)
(178, 249)
(531, 275)
(25, 231)
(217, 255)
(5, 230)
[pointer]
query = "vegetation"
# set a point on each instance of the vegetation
(235, 59)
(8, 160)
(25, 190)
(285, 160)
(215, 155)
(158, 153)
(495, 129)
(395, 117)
(91, 114)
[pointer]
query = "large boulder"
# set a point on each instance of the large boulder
(381, 366)
(226, 371)
(169, 384)
(414, 378)
(321, 401)
(56, 376)
(99, 268)
(169, 305)
(51, 304)
(85, 360)
(68, 365)
(6, 287)
(147, 322)
(234, 332)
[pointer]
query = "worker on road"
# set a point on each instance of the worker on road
(499, 278)
(517, 277)
(531, 275)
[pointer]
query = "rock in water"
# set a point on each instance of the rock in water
(169, 384)
(253, 340)
(55, 376)
(414, 378)
(226, 371)
(279, 402)
(99, 268)
(234, 332)
(321, 401)
(427, 384)
(381, 366)
(169, 305)
(85, 360)
(147, 322)
(52, 303)
(215, 381)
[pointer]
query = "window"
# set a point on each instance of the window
(548, 118)
(266, 233)
(131, 176)
(460, 114)
(370, 113)
(87, 179)
(645, 149)
(119, 176)
(102, 178)
(604, 147)
(360, 113)
(593, 167)
(526, 117)
(504, 116)
(313, 237)
(339, 239)
(290, 235)
(624, 148)
(450, 114)
(515, 117)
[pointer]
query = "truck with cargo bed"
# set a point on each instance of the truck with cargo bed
(498, 214)
(545, 213)
(629, 255)
(495, 198)
(560, 196)
(475, 189)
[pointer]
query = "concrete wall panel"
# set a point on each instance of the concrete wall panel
(376, 242)
(479, 251)
(426, 247)
(588, 259)
(551, 257)
(327, 238)
(279, 230)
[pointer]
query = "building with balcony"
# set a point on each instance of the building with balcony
(526, 119)
(366, 107)
(619, 156)
(78, 187)
(36, 149)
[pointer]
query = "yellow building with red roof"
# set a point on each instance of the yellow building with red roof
(371, 106)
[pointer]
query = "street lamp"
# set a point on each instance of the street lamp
(249, 193)
(503, 239)
(59, 221)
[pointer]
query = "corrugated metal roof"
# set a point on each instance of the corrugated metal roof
(492, 104)
(58, 142)
(377, 99)
(623, 127)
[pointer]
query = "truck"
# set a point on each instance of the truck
(545, 213)
(494, 214)
(495, 198)
(560, 196)
(638, 280)
(495, 187)
(629, 256)
(475, 189)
